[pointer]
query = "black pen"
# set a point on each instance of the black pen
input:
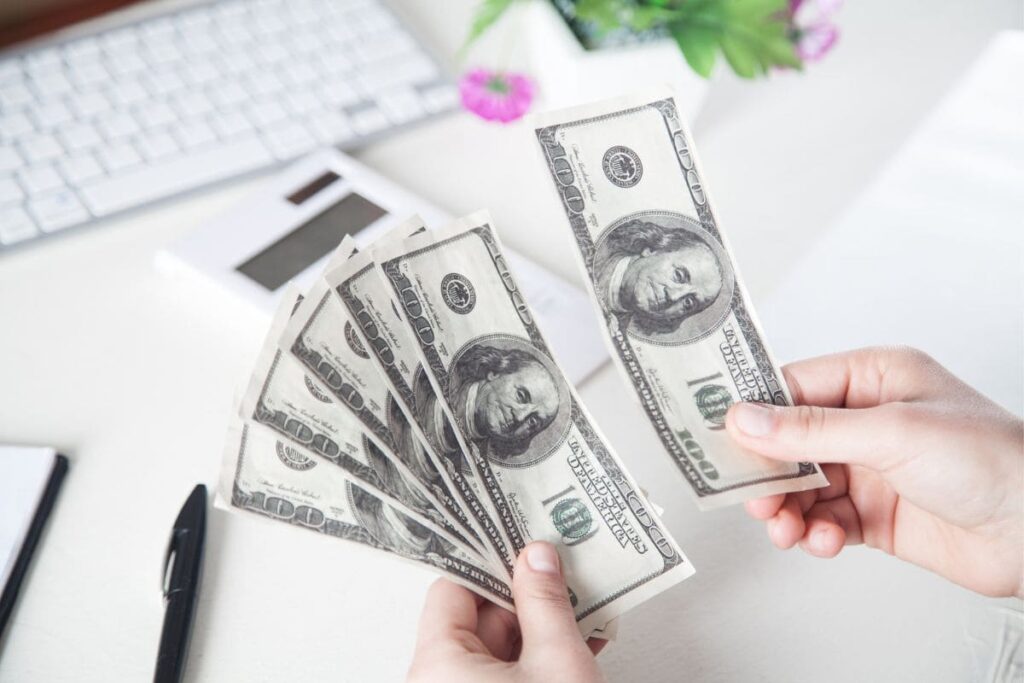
(183, 567)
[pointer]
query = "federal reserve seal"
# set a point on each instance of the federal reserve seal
(573, 520)
(458, 293)
(713, 401)
(292, 459)
(315, 390)
(622, 166)
(353, 341)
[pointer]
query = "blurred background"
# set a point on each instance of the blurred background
(128, 128)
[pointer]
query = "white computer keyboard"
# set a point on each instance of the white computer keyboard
(108, 122)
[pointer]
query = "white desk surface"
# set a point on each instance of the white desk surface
(133, 375)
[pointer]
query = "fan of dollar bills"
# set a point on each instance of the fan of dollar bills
(408, 402)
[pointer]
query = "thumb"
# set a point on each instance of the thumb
(865, 436)
(546, 619)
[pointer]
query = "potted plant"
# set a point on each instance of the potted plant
(579, 50)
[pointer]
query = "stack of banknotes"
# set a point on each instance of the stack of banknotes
(408, 402)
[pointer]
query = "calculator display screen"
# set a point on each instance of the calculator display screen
(306, 244)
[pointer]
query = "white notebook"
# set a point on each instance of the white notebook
(25, 472)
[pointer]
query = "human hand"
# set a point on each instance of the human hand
(922, 466)
(463, 638)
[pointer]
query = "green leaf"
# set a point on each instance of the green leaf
(742, 57)
(486, 15)
(699, 45)
(605, 14)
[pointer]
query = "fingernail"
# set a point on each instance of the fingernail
(754, 419)
(819, 540)
(541, 557)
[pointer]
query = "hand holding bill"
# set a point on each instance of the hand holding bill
(463, 638)
(922, 466)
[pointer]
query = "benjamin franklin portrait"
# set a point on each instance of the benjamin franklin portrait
(504, 395)
(663, 275)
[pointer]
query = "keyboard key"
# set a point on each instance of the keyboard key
(52, 84)
(164, 82)
(40, 179)
(180, 174)
(58, 210)
(128, 92)
(88, 104)
(155, 114)
(52, 114)
(9, 160)
(263, 84)
(266, 113)
(14, 96)
(117, 126)
(13, 126)
(331, 128)
(199, 42)
(118, 157)
(333, 62)
(80, 168)
(199, 73)
(38, 148)
(299, 74)
(10, 191)
(42, 59)
(162, 52)
(79, 136)
(339, 94)
(194, 134)
(301, 101)
(126, 62)
(228, 95)
(289, 141)
(191, 104)
(157, 145)
(401, 105)
(87, 74)
(235, 62)
(368, 120)
(15, 226)
(230, 124)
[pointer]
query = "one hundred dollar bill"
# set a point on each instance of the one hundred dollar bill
(322, 336)
(547, 470)
(418, 425)
(284, 398)
(266, 474)
(657, 264)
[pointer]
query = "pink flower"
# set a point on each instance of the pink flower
(813, 42)
(813, 32)
(496, 95)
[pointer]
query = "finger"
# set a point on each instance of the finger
(837, 481)
(596, 645)
(498, 630)
(831, 525)
(872, 437)
(787, 526)
(765, 508)
(546, 619)
(449, 608)
(863, 378)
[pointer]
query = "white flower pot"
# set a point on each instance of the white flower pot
(567, 74)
